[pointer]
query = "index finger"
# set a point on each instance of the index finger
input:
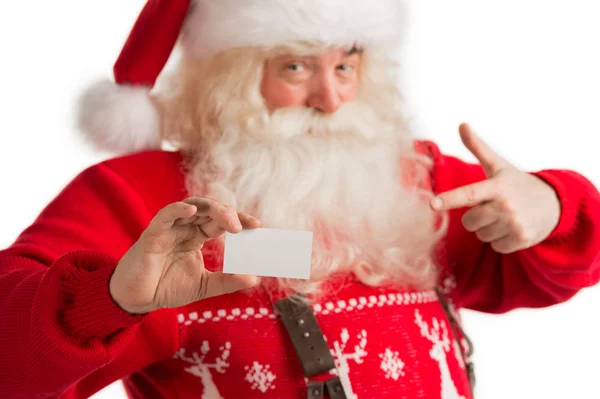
(466, 196)
(204, 205)
(225, 217)
(167, 216)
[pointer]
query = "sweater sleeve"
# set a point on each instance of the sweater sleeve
(61, 331)
(549, 273)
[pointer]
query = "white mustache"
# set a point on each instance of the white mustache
(351, 119)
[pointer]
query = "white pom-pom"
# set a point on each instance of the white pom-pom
(120, 119)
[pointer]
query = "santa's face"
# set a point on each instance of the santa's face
(322, 82)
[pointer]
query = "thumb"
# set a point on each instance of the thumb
(219, 283)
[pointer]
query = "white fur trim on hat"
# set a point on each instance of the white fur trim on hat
(217, 25)
(119, 119)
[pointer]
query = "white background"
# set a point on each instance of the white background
(525, 74)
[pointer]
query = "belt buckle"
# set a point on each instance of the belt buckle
(317, 387)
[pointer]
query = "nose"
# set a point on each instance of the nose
(324, 96)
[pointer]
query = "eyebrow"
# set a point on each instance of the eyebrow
(353, 50)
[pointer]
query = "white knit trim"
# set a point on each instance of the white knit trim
(225, 314)
(358, 303)
(371, 301)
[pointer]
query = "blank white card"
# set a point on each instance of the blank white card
(269, 253)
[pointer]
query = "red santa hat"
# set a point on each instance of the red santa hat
(120, 116)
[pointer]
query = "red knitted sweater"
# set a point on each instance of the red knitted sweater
(63, 336)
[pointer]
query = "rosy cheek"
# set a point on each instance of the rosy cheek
(348, 92)
(279, 95)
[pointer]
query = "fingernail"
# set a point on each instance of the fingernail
(436, 203)
(223, 209)
(236, 224)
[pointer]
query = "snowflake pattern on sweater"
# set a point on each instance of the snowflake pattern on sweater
(260, 377)
(391, 364)
(396, 341)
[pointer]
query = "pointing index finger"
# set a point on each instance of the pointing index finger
(466, 196)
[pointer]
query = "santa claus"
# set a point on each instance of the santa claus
(279, 114)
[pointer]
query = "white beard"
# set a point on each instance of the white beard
(339, 176)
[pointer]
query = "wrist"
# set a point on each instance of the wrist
(568, 201)
(119, 292)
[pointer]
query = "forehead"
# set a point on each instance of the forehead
(313, 51)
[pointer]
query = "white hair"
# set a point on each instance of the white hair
(352, 177)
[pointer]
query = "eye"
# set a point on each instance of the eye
(295, 67)
(345, 67)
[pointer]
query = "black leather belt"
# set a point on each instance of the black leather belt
(310, 346)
